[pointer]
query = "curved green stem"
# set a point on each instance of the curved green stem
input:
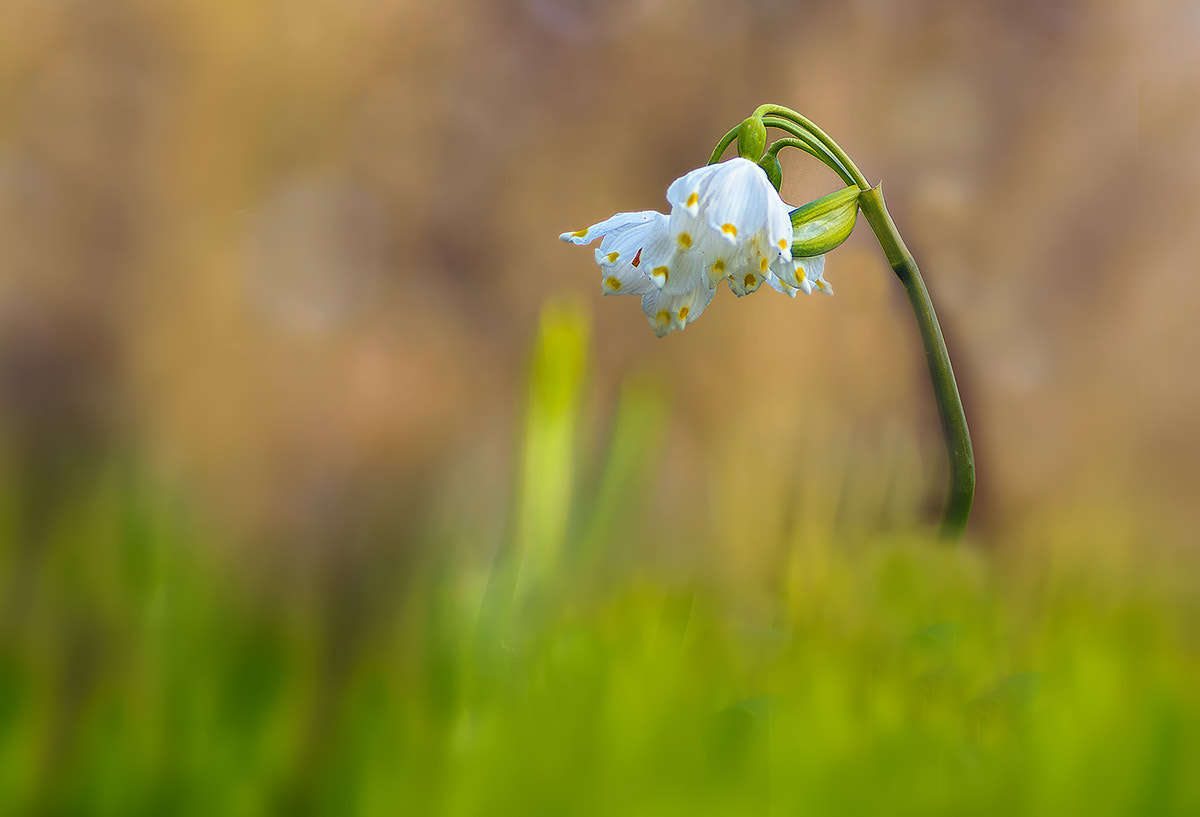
(961, 490)
(791, 142)
(816, 150)
(812, 146)
(811, 139)
(725, 142)
(807, 124)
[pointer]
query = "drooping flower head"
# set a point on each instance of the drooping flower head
(727, 222)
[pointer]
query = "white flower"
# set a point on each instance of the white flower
(727, 222)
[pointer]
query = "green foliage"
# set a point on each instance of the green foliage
(880, 675)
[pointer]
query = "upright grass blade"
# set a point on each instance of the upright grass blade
(547, 469)
(548, 458)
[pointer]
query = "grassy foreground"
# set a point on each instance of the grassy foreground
(552, 673)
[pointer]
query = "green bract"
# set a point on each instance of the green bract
(752, 138)
(821, 225)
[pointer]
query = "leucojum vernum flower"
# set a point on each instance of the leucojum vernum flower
(728, 224)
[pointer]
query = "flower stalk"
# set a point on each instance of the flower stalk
(807, 136)
(960, 490)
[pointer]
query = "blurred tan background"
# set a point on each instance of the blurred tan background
(292, 253)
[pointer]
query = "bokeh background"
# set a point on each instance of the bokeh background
(287, 248)
(285, 262)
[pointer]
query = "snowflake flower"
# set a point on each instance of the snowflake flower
(727, 222)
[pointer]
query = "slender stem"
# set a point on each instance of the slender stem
(791, 142)
(808, 137)
(807, 124)
(807, 147)
(725, 142)
(961, 489)
(811, 145)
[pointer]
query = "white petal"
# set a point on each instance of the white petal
(620, 254)
(658, 257)
(659, 315)
(745, 281)
(687, 228)
(736, 201)
(733, 261)
(630, 282)
(813, 267)
(752, 267)
(779, 227)
(813, 272)
(625, 279)
(688, 190)
(616, 222)
(621, 244)
(690, 272)
(787, 270)
(779, 286)
(668, 312)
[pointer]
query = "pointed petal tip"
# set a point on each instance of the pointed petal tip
(576, 236)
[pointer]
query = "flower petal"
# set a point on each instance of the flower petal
(736, 201)
(659, 257)
(615, 222)
(788, 271)
(779, 228)
(688, 190)
(744, 281)
(620, 257)
(814, 274)
(621, 245)
(668, 312)
(779, 286)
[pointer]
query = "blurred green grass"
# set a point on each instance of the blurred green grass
(146, 669)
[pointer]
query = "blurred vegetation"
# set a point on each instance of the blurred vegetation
(292, 251)
(291, 520)
(567, 670)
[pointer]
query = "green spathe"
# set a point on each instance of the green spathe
(821, 225)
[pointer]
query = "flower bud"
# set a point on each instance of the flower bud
(821, 225)
(752, 139)
(770, 165)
